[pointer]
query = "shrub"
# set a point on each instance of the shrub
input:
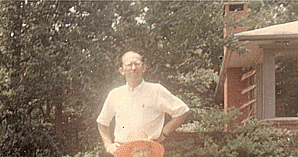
(96, 152)
(253, 138)
(26, 140)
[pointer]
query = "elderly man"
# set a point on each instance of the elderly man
(138, 106)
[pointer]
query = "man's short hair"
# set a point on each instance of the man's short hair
(123, 54)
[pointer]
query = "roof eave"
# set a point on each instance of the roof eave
(241, 37)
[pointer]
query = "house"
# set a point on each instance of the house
(248, 81)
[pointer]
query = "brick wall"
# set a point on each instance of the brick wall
(232, 95)
(289, 123)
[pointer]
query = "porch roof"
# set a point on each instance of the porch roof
(277, 38)
(281, 31)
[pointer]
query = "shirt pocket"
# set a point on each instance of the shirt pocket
(149, 113)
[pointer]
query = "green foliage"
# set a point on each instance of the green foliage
(59, 60)
(218, 136)
(27, 140)
(178, 149)
(266, 13)
(97, 151)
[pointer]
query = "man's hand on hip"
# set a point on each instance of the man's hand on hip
(111, 148)
(160, 138)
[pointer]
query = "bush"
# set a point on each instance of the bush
(253, 138)
(26, 140)
(96, 152)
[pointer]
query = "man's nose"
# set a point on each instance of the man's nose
(133, 66)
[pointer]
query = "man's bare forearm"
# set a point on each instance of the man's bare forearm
(105, 134)
(173, 124)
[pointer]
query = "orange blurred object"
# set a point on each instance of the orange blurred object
(140, 148)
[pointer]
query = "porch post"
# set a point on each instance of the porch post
(268, 84)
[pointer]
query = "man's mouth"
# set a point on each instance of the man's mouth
(133, 72)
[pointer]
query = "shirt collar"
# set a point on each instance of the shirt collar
(136, 88)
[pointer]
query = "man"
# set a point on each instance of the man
(138, 106)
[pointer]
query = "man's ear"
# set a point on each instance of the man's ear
(121, 71)
(144, 68)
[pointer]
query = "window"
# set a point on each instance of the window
(286, 87)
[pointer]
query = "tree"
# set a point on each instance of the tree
(180, 49)
(22, 96)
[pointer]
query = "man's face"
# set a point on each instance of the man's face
(132, 68)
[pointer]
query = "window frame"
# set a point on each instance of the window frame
(265, 81)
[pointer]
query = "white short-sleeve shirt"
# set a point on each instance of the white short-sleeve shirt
(142, 109)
